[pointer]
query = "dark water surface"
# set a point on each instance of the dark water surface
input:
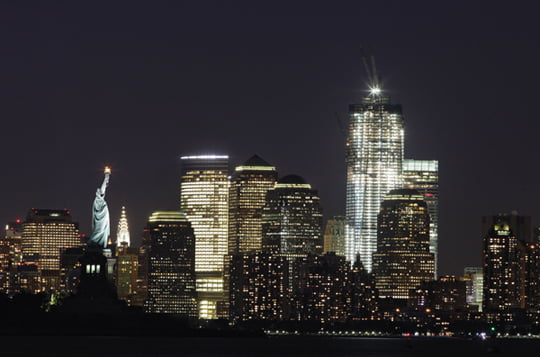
(273, 346)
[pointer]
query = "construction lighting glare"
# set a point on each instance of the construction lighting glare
(375, 91)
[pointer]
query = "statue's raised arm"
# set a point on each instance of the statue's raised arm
(105, 180)
(100, 216)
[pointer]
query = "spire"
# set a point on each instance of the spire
(122, 236)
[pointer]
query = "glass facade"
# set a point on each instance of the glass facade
(204, 197)
(374, 168)
(292, 219)
(402, 259)
(423, 176)
(171, 269)
(249, 185)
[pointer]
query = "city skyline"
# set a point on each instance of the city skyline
(137, 92)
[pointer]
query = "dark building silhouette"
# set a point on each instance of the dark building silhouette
(70, 269)
(171, 265)
(403, 259)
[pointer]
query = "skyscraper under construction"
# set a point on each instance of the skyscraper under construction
(374, 165)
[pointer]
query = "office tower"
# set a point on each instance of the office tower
(334, 235)
(423, 176)
(122, 235)
(10, 256)
(127, 267)
(374, 168)
(204, 193)
(249, 185)
(259, 287)
(503, 260)
(45, 233)
(171, 269)
(292, 219)
(532, 278)
(445, 294)
(322, 288)
(474, 282)
(141, 289)
(403, 259)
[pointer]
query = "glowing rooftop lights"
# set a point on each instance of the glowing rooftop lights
(255, 168)
(205, 157)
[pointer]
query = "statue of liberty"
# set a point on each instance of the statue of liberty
(100, 216)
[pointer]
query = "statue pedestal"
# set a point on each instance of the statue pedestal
(94, 281)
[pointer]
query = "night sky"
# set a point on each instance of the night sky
(135, 85)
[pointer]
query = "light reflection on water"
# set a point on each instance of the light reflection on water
(274, 346)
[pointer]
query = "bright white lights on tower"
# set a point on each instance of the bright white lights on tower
(374, 91)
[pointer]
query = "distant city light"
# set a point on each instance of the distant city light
(204, 157)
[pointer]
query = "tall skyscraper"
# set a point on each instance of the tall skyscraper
(122, 235)
(402, 259)
(10, 256)
(249, 185)
(127, 266)
(334, 235)
(171, 280)
(292, 219)
(374, 167)
(204, 196)
(504, 265)
(45, 233)
(423, 176)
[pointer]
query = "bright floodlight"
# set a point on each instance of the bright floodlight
(375, 91)
(107, 170)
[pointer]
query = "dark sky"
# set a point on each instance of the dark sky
(137, 84)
